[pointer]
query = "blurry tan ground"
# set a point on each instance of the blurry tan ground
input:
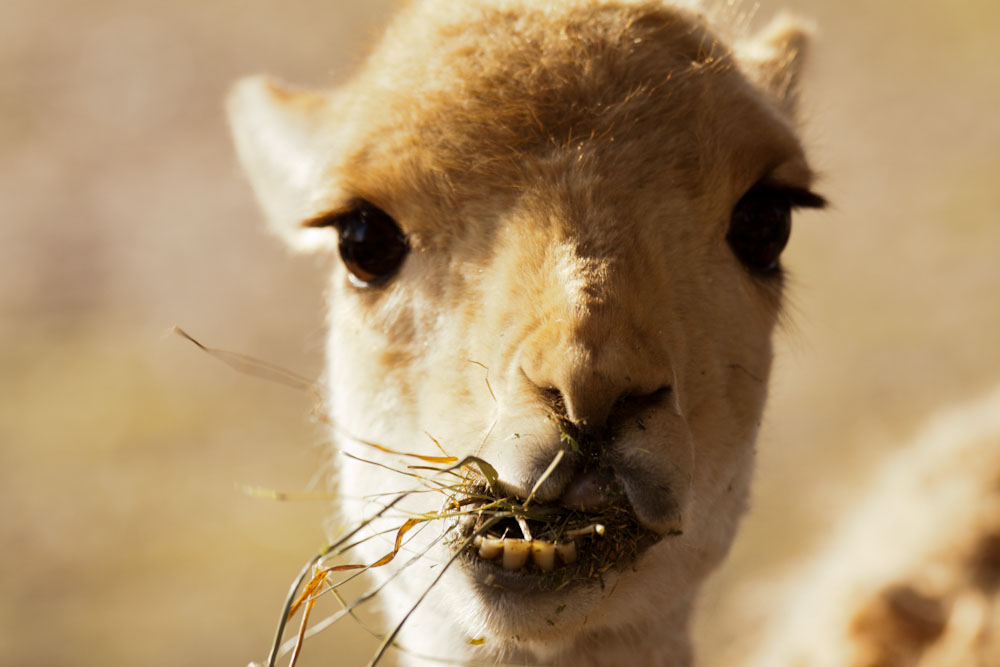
(122, 213)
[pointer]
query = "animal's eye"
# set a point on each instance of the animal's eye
(761, 222)
(759, 228)
(372, 245)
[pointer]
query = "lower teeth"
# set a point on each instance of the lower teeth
(514, 553)
(544, 555)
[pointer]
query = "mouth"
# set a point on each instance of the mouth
(507, 544)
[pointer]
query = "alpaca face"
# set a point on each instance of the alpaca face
(559, 234)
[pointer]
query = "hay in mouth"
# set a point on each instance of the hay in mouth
(584, 545)
(524, 546)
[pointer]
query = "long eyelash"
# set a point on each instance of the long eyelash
(799, 198)
(332, 217)
(326, 219)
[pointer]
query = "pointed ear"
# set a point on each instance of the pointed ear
(278, 137)
(774, 58)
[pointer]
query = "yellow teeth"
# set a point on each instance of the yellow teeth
(515, 553)
(566, 552)
(544, 555)
(489, 547)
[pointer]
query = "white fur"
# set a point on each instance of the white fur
(565, 174)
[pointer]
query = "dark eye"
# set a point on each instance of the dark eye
(761, 222)
(371, 244)
(759, 228)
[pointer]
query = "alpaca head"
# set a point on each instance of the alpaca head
(559, 231)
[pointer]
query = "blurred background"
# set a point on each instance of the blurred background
(122, 213)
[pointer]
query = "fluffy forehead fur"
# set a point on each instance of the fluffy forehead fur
(564, 174)
(577, 88)
(458, 94)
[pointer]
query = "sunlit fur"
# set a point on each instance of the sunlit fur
(910, 576)
(565, 174)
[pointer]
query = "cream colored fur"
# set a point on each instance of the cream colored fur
(911, 575)
(565, 174)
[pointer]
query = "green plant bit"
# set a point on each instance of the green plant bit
(570, 440)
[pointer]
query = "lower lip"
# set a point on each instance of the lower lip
(493, 578)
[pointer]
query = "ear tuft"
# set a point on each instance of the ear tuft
(774, 59)
(277, 134)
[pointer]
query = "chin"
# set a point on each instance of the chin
(570, 614)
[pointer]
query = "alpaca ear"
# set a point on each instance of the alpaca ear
(278, 137)
(774, 58)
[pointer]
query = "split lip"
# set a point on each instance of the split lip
(595, 484)
(589, 491)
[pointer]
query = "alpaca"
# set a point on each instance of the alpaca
(911, 575)
(559, 229)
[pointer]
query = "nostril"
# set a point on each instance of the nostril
(651, 398)
(555, 401)
(632, 406)
(591, 402)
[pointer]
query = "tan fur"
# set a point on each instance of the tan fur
(911, 575)
(565, 174)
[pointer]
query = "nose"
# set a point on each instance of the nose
(594, 400)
